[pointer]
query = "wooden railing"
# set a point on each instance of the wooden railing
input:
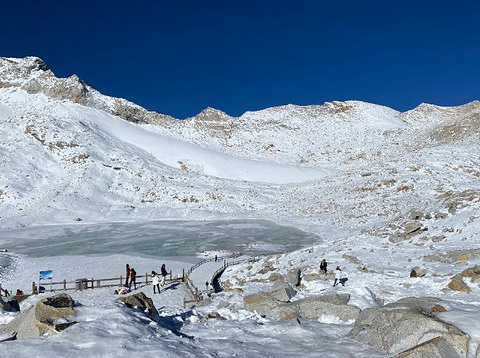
(85, 283)
(216, 275)
(196, 293)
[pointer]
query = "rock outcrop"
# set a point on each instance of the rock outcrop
(49, 316)
(405, 324)
(293, 277)
(458, 284)
(308, 308)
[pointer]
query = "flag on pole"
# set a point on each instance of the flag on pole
(46, 275)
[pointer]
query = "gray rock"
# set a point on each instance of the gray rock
(418, 272)
(293, 277)
(282, 291)
(51, 309)
(24, 324)
(404, 325)
(454, 256)
(435, 348)
(317, 306)
(378, 300)
(412, 226)
(43, 317)
(142, 302)
(415, 215)
(308, 308)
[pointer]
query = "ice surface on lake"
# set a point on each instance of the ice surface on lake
(159, 238)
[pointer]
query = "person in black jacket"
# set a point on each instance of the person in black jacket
(323, 266)
(164, 275)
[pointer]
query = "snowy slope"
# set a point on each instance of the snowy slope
(353, 173)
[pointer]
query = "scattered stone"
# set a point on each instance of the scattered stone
(458, 284)
(435, 348)
(438, 308)
(275, 277)
(438, 238)
(418, 272)
(412, 227)
(215, 315)
(415, 215)
(352, 259)
(454, 256)
(266, 269)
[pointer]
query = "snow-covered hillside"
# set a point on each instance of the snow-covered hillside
(347, 164)
(383, 190)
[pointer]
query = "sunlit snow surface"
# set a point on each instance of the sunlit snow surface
(108, 329)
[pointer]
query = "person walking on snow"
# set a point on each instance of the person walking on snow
(338, 276)
(127, 272)
(155, 282)
(164, 275)
(133, 276)
(323, 266)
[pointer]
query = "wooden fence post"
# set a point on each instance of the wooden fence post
(64, 285)
(34, 289)
(183, 275)
(171, 275)
(146, 279)
(121, 280)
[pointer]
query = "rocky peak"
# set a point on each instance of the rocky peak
(211, 114)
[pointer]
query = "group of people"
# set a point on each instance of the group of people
(340, 276)
(157, 281)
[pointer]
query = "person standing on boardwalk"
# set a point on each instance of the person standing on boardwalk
(155, 282)
(164, 275)
(323, 266)
(127, 271)
(133, 276)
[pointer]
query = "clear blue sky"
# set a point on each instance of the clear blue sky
(178, 57)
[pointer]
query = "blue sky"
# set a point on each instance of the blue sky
(179, 57)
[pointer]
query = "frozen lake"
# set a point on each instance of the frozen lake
(168, 238)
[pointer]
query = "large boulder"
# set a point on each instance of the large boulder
(293, 277)
(317, 306)
(55, 308)
(142, 302)
(405, 324)
(308, 308)
(282, 291)
(435, 348)
(50, 315)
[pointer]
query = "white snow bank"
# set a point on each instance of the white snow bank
(174, 152)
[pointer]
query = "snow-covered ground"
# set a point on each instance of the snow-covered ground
(89, 183)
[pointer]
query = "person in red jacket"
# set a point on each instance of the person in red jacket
(127, 271)
(133, 276)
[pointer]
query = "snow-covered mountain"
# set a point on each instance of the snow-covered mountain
(69, 153)
(385, 190)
